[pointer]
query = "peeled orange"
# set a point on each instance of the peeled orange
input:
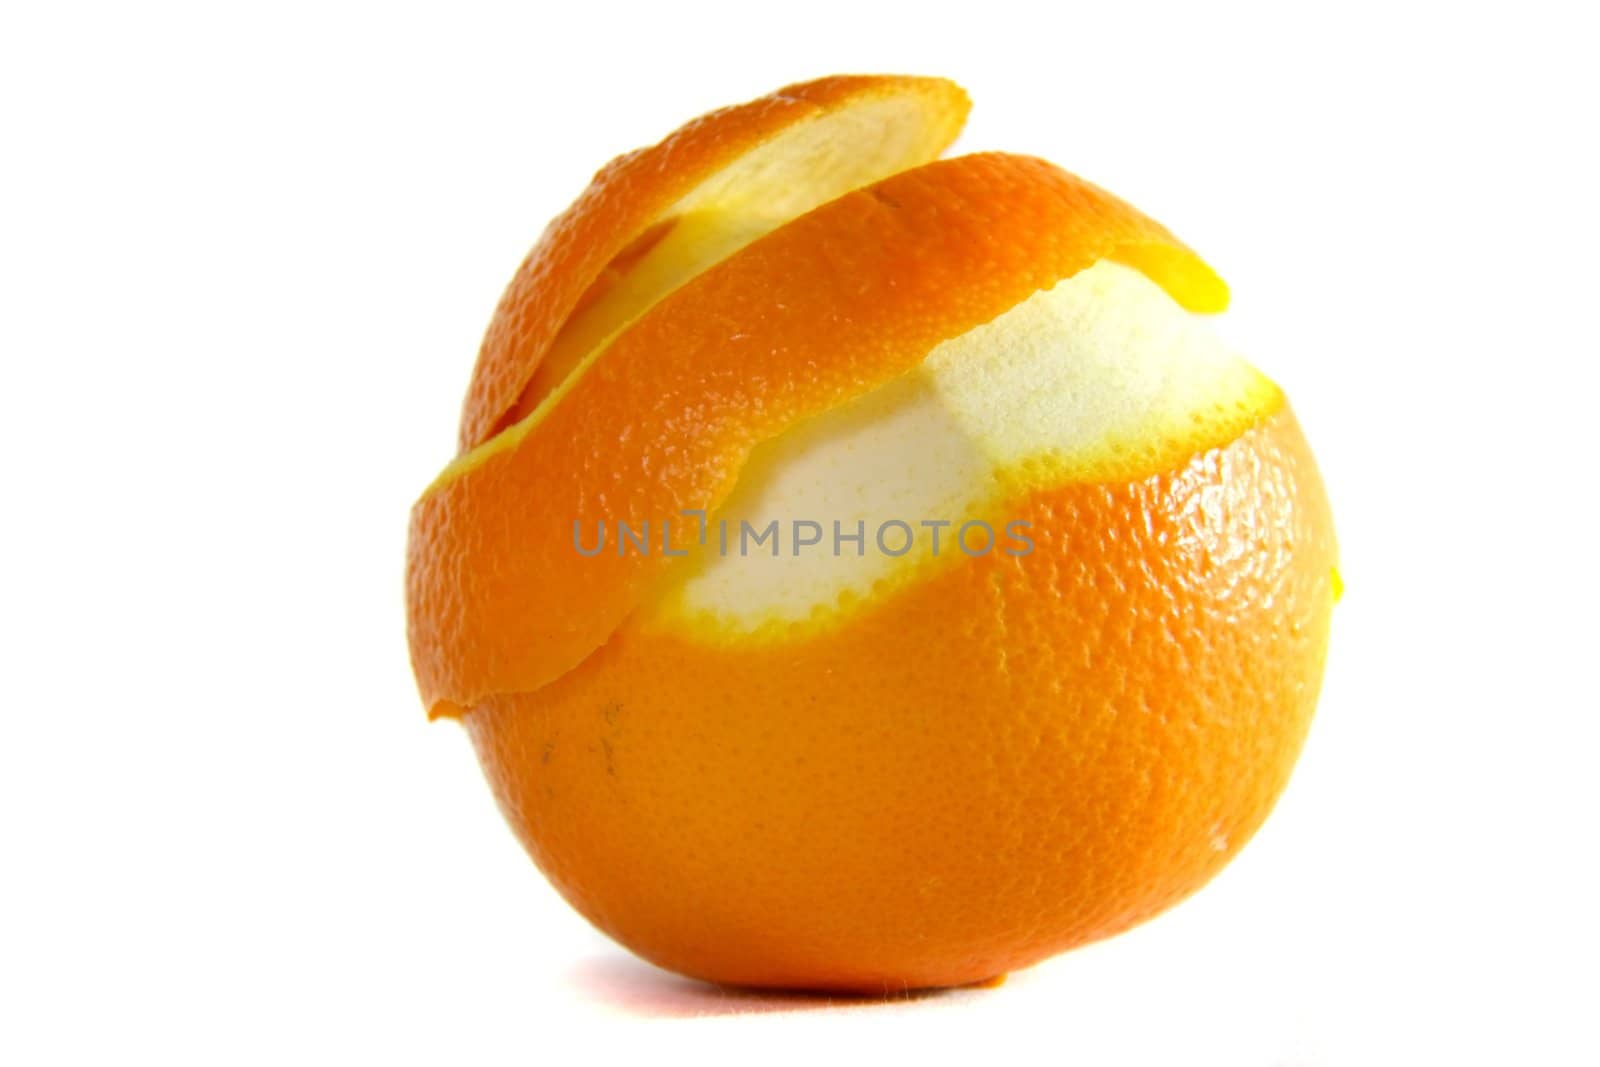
(1036, 613)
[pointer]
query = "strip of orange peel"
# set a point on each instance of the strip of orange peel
(661, 421)
(736, 173)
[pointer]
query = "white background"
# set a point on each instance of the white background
(245, 261)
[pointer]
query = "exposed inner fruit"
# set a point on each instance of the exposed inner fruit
(1101, 378)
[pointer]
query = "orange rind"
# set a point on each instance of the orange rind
(655, 217)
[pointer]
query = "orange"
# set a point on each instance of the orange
(854, 768)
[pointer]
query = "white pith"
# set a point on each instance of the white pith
(1099, 377)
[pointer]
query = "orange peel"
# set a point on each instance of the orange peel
(836, 302)
(737, 173)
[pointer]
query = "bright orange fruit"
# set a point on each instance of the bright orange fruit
(834, 763)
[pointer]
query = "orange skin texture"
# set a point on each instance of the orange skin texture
(831, 305)
(1011, 758)
(625, 199)
(981, 764)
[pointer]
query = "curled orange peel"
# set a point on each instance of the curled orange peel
(652, 217)
(661, 418)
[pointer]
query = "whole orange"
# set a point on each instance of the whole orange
(870, 769)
